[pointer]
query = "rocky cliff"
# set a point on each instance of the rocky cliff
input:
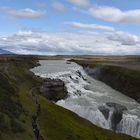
(122, 79)
(53, 89)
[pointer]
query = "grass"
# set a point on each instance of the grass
(16, 100)
(122, 70)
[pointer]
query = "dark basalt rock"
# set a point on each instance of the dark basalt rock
(116, 106)
(105, 111)
(125, 80)
(117, 112)
(80, 75)
(54, 89)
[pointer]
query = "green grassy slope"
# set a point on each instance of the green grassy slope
(17, 108)
(16, 105)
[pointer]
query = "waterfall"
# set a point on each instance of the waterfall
(130, 124)
(92, 99)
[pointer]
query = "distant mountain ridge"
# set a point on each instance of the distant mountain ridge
(2, 51)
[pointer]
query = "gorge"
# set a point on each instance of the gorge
(92, 99)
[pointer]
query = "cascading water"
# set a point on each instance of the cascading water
(92, 99)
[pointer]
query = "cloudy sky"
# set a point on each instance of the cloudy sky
(50, 27)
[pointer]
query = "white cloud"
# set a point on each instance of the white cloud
(58, 6)
(115, 15)
(89, 26)
(42, 5)
(124, 38)
(83, 3)
(114, 43)
(27, 12)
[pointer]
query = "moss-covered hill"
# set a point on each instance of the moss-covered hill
(17, 107)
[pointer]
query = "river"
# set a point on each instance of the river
(92, 99)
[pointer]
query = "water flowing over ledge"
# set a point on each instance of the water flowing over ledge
(92, 99)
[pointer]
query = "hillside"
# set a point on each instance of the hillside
(17, 108)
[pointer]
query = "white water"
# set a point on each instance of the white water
(87, 94)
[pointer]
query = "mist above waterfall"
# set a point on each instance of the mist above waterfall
(92, 99)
